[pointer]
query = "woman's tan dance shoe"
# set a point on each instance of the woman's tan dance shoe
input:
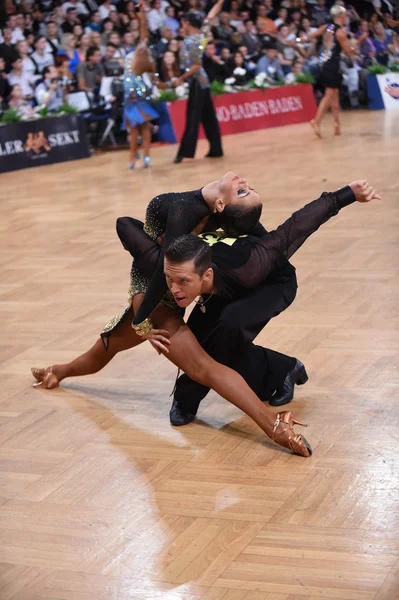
(284, 434)
(45, 377)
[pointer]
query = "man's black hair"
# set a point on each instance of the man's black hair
(194, 20)
(90, 51)
(190, 248)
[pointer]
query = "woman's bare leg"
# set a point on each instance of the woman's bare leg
(335, 111)
(146, 138)
(95, 359)
(323, 108)
(133, 135)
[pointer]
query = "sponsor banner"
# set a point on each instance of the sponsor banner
(378, 98)
(42, 142)
(257, 109)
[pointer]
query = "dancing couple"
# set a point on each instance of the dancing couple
(244, 266)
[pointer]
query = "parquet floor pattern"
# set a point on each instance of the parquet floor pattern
(100, 498)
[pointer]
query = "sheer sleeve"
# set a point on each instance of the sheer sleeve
(182, 218)
(266, 252)
(142, 248)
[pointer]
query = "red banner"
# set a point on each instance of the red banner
(257, 109)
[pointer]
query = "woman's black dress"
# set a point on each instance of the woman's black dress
(330, 75)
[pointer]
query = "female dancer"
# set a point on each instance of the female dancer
(335, 41)
(137, 110)
(191, 209)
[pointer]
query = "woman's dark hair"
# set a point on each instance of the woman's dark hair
(163, 71)
(238, 220)
(193, 19)
(190, 247)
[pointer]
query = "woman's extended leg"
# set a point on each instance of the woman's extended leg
(335, 111)
(95, 359)
(146, 142)
(133, 135)
(187, 354)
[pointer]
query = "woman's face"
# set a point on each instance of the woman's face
(235, 191)
(379, 28)
(169, 58)
(238, 59)
(23, 48)
(40, 44)
(84, 41)
(114, 38)
(16, 92)
(108, 26)
(77, 30)
(71, 43)
(173, 45)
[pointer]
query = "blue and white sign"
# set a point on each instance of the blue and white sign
(378, 97)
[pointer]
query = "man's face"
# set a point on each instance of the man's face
(52, 29)
(96, 38)
(262, 11)
(23, 47)
(284, 31)
(40, 44)
(20, 21)
(210, 50)
(271, 53)
(109, 53)
(183, 281)
(2, 65)
(225, 54)
(7, 35)
(167, 33)
(12, 21)
(96, 58)
(71, 16)
(128, 38)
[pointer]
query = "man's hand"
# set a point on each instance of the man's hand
(159, 339)
(363, 191)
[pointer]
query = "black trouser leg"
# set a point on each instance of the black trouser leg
(195, 103)
(210, 124)
(226, 333)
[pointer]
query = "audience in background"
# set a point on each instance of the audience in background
(250, 37)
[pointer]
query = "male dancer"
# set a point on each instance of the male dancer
(239, 265)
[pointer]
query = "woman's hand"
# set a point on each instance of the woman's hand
(363, 191)
(159, 339)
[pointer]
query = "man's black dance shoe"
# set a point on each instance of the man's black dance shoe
(285, 394)
(178, 417)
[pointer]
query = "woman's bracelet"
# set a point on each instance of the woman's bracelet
(143, 328)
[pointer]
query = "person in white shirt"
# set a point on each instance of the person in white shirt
(16, 76)
(50, 93)
(40, 57)
(28, 66)
(17, 33)
(156, 16)
(80, 7)
(106, 8)
(53, 41)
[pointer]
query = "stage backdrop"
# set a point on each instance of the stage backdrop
(255, 109)
(42, 142)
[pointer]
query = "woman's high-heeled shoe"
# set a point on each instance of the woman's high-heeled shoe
(284, 434)
(45, 377)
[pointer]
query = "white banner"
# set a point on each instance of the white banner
(393, 80)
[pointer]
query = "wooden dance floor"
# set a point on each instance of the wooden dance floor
(100, 498)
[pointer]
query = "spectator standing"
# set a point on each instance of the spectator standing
(5, 87)
(80, 7)
(269, 63)
(213, 64)
(71, 19)
(50, 92)
(162, 44)
(68, 43)
(320, 14)
(94, 23)
(367, 49)
(156, 16)
(83, 45)
(53, 42)
(40, 57)
(7, 50)
(28, 66)
(16, 76)
(170, 19)
(250, 38)
(106, 8)
(381, 42)
(90, 72)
